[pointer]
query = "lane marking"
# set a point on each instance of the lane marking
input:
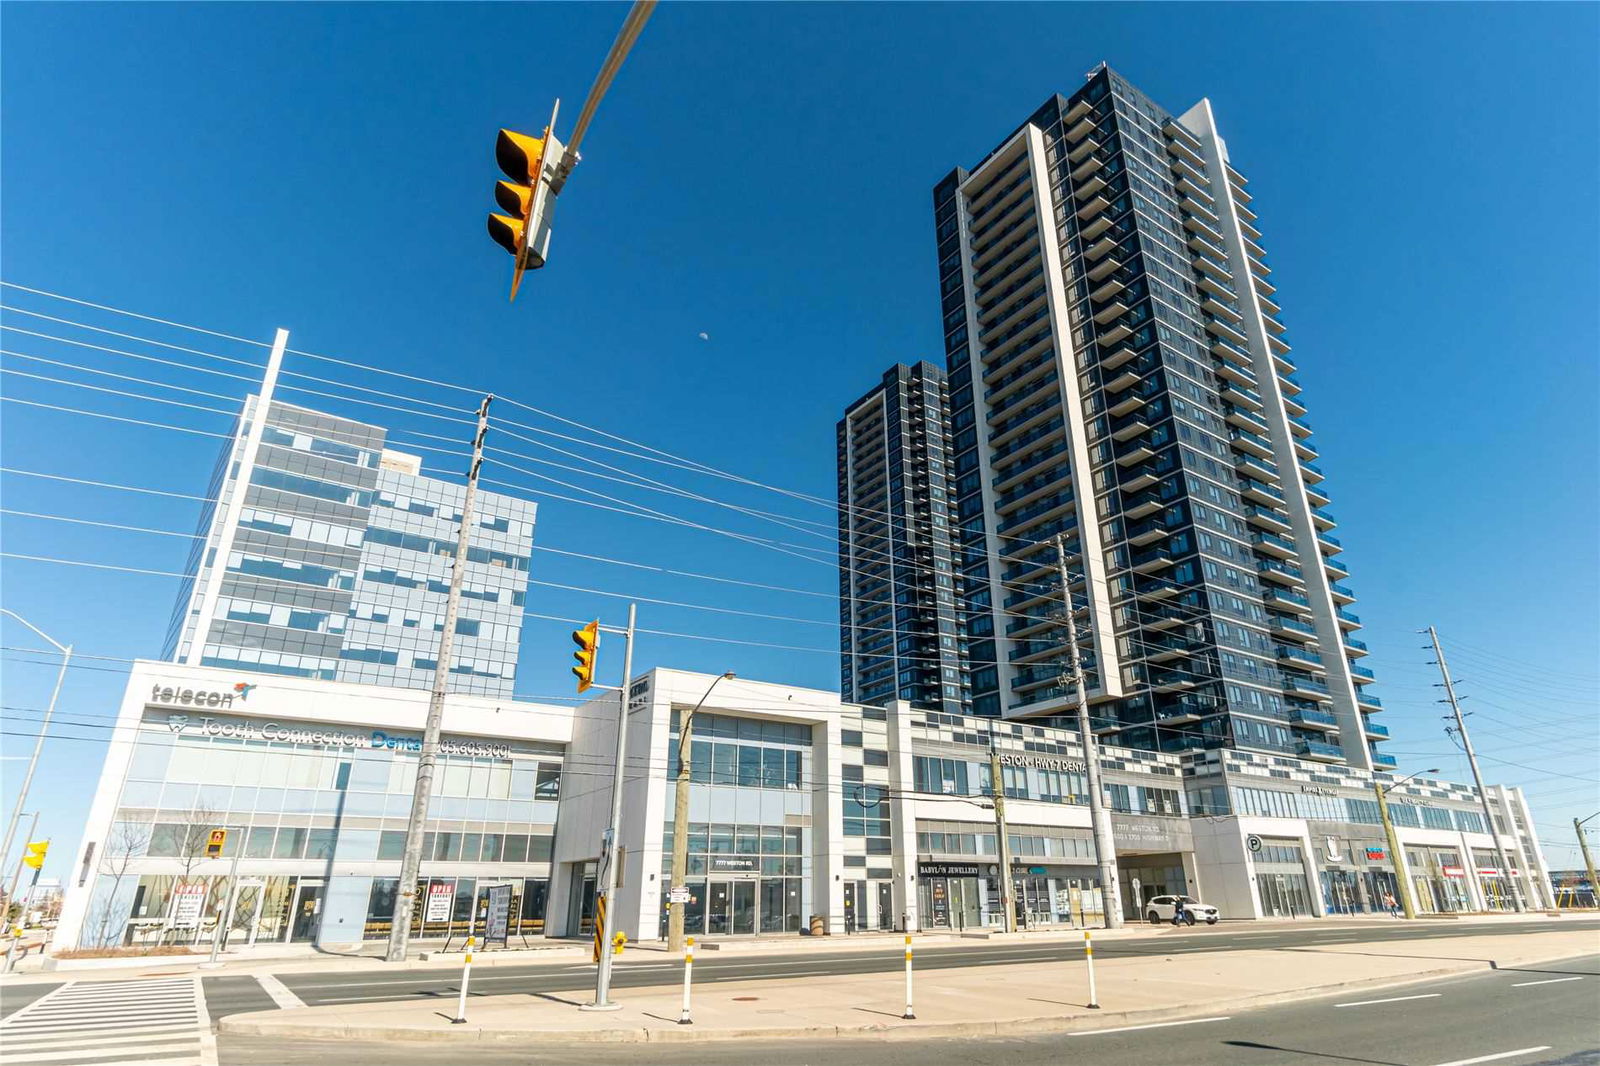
(1548, 981)
(80, 1057)
(1501, 1055)
(1154, 1025)
(279, 992)
(1395, 999)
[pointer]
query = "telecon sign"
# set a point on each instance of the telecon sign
(192, 697)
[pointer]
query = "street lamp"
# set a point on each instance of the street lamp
(1588, 862)
(44, 727)
(680, 825)
(1397, 859)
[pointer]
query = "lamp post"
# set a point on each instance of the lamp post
(680, 824)
(1588, 862)
(1396, 856)
(44, 727)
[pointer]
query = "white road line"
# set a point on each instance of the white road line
(37, 1044)
(80, 1056)
(1501, 1055)
(1548, 981)
(1395, 999)
(279, 992)
(1154, 1025)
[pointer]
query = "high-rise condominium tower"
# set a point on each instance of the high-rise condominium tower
(329, 557)
(900, 634)
(1117, 374)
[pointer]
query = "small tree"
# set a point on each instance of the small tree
(128, 842)
(194, 831)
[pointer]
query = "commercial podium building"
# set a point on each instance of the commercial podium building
(802, 806)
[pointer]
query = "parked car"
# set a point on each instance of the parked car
(1161, 908)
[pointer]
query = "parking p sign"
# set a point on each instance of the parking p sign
(1253, 842)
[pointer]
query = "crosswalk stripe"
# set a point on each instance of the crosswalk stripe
(29, 1042)
(87, 1057)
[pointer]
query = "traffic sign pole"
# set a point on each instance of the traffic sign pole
(226, 919)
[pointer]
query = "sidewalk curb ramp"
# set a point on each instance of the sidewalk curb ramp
(264, 1024)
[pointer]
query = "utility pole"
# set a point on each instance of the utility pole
(680, 825)
(16, 879)
(602, 983)
(1002, 838)
(1402, 882)
(1105, 845)
(1588, 862)
(1477, 777)
(411, 861)
(44, 727)
(226, 920)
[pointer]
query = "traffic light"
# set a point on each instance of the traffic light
(524, 230)
(588, 641)
(215, 842)
(35, 853)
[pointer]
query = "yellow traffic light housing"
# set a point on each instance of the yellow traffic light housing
(215, 843)
(588, 641)
(524, 230)
(35, 853)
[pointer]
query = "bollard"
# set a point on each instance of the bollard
(909, 1014)
(466, 974)
(1088, 954)
(688, 971)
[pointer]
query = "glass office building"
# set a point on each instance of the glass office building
(1118, 376)
(327, 555)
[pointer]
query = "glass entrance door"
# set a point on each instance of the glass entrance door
(307, 912)
(719, 896)
(744, 908)
(246, 908)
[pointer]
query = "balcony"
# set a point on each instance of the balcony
(1313, 719)
(1330, 544)
(1255, 467)
(1168, 646)
(1136, 398)
(1293, 653)
(1361, 675)
(1286, 599)
(1138, 506)
(1279, 573)
(1139, 534)
(1313, 473)
(1309, 687)
(1272, 544)
(1355, 647)
(1083, 148)
(1341, 593)
(1384, 760)
(1149, 562)
(1093, 208)
(1082, 128)
(1305, 449)
(1259, 492)
(1092, 229)
(1141, 478)
(1269, 519)
(1162, 616)
(1366, 702)
(1224, 328)
(1116, 357)
(1239, 375)
(1319, 750)
(1335, 568)
(1347, 619)
(1093, 185)
(1238, 394)
(1130, 428)
(1104, 267)
(1186, 709)
(1230, 351)
(1323, 519)
(1373, 729)
(1250, 442)
(1291, 628)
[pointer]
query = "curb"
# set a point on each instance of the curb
(262, 1026)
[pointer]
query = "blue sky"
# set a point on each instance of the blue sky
(762, 174)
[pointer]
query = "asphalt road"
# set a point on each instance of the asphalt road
(1546, 1014)
(654, 968)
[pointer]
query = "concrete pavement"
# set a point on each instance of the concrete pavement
(1550, 1008)
(1041, 992)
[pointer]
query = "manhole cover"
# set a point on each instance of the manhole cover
(746, 999)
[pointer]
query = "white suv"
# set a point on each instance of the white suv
(1161, 908)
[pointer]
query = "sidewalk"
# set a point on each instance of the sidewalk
(289, 959)
(1043, 996)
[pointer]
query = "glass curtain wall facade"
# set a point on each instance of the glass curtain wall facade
(329, 557)
(900, 627)
(1117, 375)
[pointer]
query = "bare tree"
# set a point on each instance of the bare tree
(193, 832)
(128, 842)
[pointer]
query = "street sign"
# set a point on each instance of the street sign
(1253, 842)
(439, 897)
(497, 924)
(678, 895)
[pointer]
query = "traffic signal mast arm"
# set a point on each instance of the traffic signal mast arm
(638, 15)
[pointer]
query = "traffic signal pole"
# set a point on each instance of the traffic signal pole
(602, 984)
(411, 861)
